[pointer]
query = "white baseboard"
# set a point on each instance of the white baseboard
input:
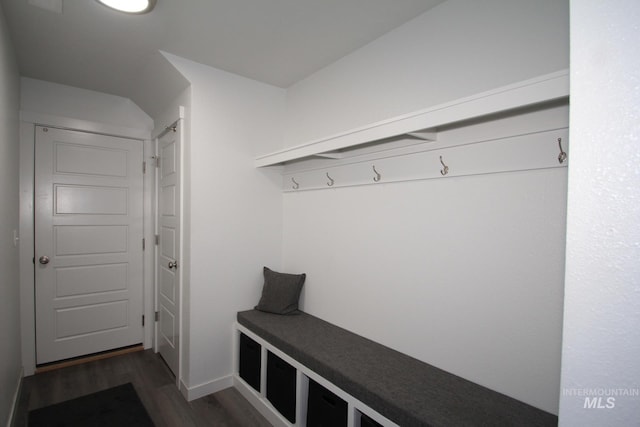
(201, 390)
(260, 403)
(16, 399)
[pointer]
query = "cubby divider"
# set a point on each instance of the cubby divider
(250, 363)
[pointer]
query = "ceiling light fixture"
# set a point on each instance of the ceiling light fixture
(130, 6)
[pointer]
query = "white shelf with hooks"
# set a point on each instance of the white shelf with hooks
(523, 152)
(423, 127)
(527, 139)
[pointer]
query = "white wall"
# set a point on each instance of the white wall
(10, 362)
(233, 212)
(46, 98)
(459, 48)
(463, 273)
(157, 85)
(601, 344)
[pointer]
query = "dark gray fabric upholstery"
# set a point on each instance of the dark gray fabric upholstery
(280, 292)
(403, 389)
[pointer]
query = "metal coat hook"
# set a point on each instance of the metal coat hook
(295, 185)
(562, 156)
(378, 176)
(331, 181)
(444, 171)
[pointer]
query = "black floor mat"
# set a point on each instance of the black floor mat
(118, 406)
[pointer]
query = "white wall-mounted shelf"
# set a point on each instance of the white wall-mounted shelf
(421, 124)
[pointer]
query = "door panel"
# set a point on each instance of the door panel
(90, 239)
(90, 160)
(90, 200)
(87, 319)
(89, 220)
(168, 195)
(168, 287)
(90, 279)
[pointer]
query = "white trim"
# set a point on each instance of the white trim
(154, 213)
(148, 291)
(27, 279)
(261, 404)
(84, 125)
(183, 352)
(16, 397)
(544, 88)
(204, 389)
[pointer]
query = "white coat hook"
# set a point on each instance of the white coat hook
(295, 185)
(378, 176)
(331, 181)
(562, 156)
(445, 170)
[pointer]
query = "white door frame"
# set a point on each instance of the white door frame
(27, 279)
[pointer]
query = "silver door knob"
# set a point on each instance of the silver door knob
(173, 264)
(44, 259)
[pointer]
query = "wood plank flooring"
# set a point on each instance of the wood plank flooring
(154, 383)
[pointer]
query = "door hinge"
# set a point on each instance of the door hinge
(143, 320)
(157, 314)
(157, 239)
(144, 243)
(144, 167)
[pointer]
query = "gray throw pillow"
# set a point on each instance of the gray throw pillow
(280, 292)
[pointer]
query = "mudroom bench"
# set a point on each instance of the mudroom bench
(295, 368)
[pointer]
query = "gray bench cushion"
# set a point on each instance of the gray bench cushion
(405, 390)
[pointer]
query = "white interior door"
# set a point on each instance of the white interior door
(168, 254)
(88, 243)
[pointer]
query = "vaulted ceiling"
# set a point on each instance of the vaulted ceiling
(278, 42)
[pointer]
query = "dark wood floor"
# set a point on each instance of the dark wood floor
(153, 382)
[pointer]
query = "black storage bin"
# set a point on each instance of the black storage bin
(366, 421)
(281, 386)
(324, 408)
(250, 361)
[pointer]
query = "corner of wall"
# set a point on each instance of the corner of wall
(600, 382)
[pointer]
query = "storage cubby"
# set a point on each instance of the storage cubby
(367, 421)
(281, 386)
(250, 361)
(325, 408)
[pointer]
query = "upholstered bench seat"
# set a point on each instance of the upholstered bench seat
(403, 389)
